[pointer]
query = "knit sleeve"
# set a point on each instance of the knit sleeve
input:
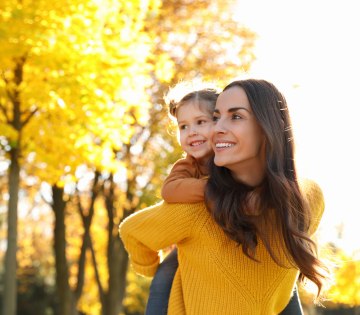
(147, 231)
(183, 183)
(315, 199)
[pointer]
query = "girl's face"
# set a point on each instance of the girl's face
(237, 138)
(195, 124)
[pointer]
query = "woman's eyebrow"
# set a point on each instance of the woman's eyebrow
(235, 109)
(232, 109)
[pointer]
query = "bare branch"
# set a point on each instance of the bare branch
(27, 119)
(3, 109)
(97, 275)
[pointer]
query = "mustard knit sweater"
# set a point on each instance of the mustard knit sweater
(214, 276)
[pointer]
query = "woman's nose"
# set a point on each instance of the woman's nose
(219, 126)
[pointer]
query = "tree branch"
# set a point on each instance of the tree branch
(82, 256)
(87, 219)
(27, 119)
(97, 275)
(3, 109)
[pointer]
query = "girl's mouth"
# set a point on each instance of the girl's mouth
(197, 143)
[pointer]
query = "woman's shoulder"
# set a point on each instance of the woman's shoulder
(313, 194)
(310, 187)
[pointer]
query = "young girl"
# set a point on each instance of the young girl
(187, 179)
(215, 274)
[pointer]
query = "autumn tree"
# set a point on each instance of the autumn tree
(54, 98)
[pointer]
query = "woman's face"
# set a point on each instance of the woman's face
(237, 139)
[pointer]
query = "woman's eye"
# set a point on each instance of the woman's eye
(236, 116)
(215, 118)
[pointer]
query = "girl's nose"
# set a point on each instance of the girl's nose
(193, 131)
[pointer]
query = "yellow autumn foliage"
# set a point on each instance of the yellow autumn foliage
(73, 70)
(346, 288)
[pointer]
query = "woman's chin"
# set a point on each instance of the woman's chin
(219, 162)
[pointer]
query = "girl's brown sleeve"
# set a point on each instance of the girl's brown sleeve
(182, 184)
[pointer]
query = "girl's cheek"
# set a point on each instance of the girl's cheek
(209, 131)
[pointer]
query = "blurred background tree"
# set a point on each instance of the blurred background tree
(85, 141)
(342, 294)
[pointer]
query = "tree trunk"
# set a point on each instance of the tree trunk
(10, 293)
(86, 239)
(118, 265)
(66, 299)
(10, 285)
(117, 257)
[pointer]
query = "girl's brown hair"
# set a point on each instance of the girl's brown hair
(204, 94)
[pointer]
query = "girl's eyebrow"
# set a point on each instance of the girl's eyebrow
(232, 110)
(195, 118)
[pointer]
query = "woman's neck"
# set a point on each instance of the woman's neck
(252, 177)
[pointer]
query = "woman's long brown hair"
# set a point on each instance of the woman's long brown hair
(227, 199)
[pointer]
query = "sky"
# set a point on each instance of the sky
(310, 50)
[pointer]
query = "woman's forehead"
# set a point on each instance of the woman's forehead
(232, 97)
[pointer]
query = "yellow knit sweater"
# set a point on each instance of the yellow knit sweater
(214, 276)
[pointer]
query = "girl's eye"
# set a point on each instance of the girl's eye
(202, 121)
(215, 118)
(183, 127)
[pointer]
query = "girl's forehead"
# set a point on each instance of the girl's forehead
(204, 106)
(193, 109)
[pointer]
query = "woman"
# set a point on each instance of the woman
(243, 252)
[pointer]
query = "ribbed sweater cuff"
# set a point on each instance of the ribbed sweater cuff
(148, 270)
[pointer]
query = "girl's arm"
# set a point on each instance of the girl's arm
(183, 183)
